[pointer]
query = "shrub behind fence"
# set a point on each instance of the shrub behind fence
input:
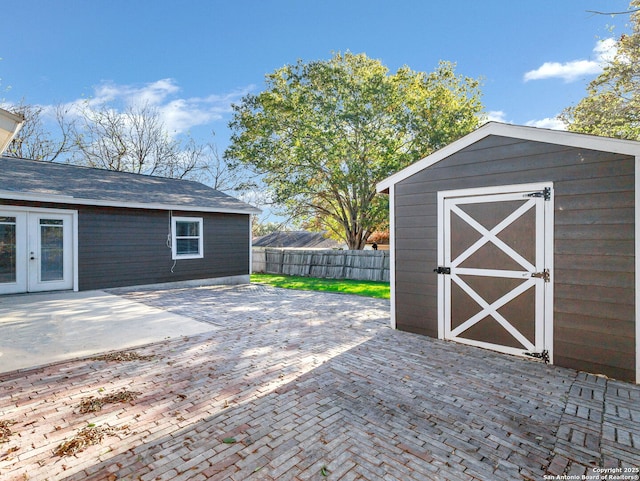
(329, 264)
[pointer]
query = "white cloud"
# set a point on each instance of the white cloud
(497, 116)
(552, 123)
(179, 114)
(606, 50)
(153, 93)
(603, 52)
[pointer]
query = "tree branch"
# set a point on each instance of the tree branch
(614, 13)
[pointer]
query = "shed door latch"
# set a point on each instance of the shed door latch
(442, 270)
(545, 193)
(544, 275)
(544, 355)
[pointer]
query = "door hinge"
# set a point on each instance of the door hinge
(545, 193)
(544, 275)
(544, 355)
(442, 270)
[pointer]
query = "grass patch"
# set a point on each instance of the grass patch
(379, 290)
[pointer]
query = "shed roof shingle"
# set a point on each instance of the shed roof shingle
(22, 179)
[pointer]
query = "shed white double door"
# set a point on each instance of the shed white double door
(496, 254)
(36, 250)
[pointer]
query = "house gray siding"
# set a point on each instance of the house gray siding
(125, 247)
(594, 283)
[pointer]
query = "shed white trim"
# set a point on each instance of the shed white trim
(560, 137)
(392, 255)
(545, 224)
(637, 265)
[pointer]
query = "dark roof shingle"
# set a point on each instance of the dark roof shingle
(299, 239)
(37, 180)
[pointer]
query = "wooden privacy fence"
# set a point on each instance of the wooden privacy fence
(330, 264)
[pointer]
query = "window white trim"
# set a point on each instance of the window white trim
(175, 238)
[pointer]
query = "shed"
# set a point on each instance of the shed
(522, 240)
(69, 227)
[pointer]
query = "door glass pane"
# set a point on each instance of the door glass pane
(51, 250)
(7, 249)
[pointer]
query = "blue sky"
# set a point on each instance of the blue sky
(193, 58)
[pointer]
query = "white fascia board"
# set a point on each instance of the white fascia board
(560, 137)
(10, 124)
(563, 137)
(66, 199)
(428, 161)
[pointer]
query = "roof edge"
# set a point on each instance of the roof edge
(560, 137)
(65, 199)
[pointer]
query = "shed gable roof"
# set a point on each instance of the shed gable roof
(33, 180)
(560, 137)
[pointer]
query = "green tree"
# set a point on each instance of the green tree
(612, 105)
(324, 133)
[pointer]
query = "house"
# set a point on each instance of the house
(69, 227)
(296, 239)
(524, 241)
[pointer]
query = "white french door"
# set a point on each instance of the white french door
(495, 260)
(36, 250)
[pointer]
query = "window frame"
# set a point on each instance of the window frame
(175, 237)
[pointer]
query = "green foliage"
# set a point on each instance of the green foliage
(259, 229)
(375, 289)
(324, 133)
(612, 105)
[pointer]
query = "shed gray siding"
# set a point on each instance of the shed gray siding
(594, 284)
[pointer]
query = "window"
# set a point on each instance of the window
(187, 238)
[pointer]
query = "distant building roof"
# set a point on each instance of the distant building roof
(32, 180)
(300, 239)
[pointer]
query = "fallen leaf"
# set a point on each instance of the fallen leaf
(5, 432)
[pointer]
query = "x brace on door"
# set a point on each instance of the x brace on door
(465, 264)
(491, 309)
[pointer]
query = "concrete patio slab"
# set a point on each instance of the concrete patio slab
(39, 329)
(302, 385)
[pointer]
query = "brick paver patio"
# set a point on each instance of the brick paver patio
(300, 385)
